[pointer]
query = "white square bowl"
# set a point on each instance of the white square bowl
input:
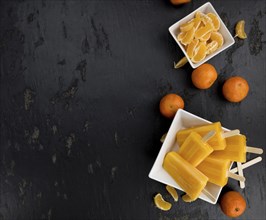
(182, 119)
(206, 8)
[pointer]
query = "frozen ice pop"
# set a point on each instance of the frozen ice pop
(217, 170)
(195, 149)
(236, 149)
(217, 142)
(189, 178)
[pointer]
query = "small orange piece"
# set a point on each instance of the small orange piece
(197, 22)
(205, 19)
(212, 46)
(187, 26)
(216, 36)
(204, 76)
(191, 48)
(181, 36)
(172, 191)
(206, 37)
(161, 203)
(189, 36)
(169, 105)
(200, 53)
(235, 89)
(233, 204)
(215, 21)
(203, 30)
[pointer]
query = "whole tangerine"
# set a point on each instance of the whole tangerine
(170, 103)
(179, 2)
(233, 204)
(204, 76)
(235, 89)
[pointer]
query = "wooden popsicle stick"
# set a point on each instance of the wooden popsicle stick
(208, 194)
(230, 133)
(247, 164)
(235, 176)
(208, 136)
(254, 150)
(240, 173)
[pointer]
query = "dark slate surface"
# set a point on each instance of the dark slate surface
(80, 124)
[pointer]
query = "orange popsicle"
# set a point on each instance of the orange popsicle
(194, 149)
(189, 178)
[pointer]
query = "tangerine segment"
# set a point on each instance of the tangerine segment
(181, 36)
(211, 47)
(200, 53)
(203, 30)
(205, 19)
(197, 22)
(216, 36)
(191, 48)
(180, 63)
(215, 21)
(205, 37)
(240, 30)
(172, 192)
(186, 198)
(161, 203)
(187, 26)
(189, 36)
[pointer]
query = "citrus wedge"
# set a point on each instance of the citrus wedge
(197, 22)
(211, 47)
(191, 48)
(186, 198)
(200, 53)
(216, 36)
(240, 30)
(203, 30)
(180, 63)
(161, 203)
(181, 36)
(205, 19)
(187, 26)
(189, 36)
(206, 37)
(215, 21)
(172, 191)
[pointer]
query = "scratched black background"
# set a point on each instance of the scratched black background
(80, 86)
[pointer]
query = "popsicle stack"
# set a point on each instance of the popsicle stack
(205, 155)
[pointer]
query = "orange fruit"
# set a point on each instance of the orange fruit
(187, 26)
(180, 63)
(212, 46)
(161, 203)
(203, 30)
(172, 191)
(181, 36)
(170, 103)
(206, 37)
(235, 89)
(200, 53)
(215, 21)
(189, 36)
(240, 30)
(178, 2)
(191, 48)
(216, 36)
(197, 21)
(204, 76)
(233, 204)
